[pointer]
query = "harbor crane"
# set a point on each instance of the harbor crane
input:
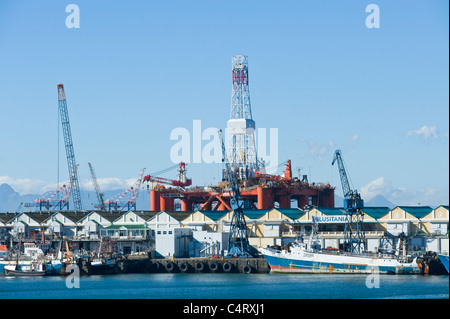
(238, 244)
(353, 204)
(181, 182)
(101, 201)
(70, 154)
(126, 199)
(57, 199)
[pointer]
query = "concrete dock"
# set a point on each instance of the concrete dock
(141, 264)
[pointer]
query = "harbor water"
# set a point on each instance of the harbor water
(226, 286)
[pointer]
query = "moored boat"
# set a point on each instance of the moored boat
(303, 258)
(444, 260)
(33, 269)
(103, 266)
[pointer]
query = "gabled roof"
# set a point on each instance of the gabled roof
(417, 211)
(6, 217)
(145, 216)
(376, 212)
(39, 217)
(292, 213)
(255, 213)
(214, 215)
(110, 216)
(135, 226)
(178, 215)
(331, 210)
(74, 216)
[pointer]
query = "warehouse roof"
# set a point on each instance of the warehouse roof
(214, 214)
(376, 212)
(417, 211)
(178, 215)
(132, 226)
(331, 210)
(255, 213)
(292, 213)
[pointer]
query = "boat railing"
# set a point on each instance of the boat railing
(367, 233)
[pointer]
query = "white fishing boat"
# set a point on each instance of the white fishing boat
(306, 256)
(33, 269)
(301, 260)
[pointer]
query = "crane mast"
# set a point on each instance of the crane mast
(353, 233)
(70, 154)
(101, 202)
(238, 244)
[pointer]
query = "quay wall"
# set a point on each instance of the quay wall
(196, 265)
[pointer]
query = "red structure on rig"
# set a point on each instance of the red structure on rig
(262, 192)
(258, 190)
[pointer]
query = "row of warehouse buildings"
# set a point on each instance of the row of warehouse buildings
(193, 233)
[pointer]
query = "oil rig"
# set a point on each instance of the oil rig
(257, 189)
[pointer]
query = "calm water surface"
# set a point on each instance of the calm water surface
(228, 286)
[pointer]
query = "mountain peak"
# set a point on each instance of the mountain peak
(5, 189)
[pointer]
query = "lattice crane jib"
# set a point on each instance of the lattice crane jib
(101, 201)
(70, 154)
(126, 199)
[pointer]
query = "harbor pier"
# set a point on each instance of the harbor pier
(143, 264)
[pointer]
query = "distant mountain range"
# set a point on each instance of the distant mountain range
(10, 200)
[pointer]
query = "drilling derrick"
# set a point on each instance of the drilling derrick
(241, 127)
(70, 154)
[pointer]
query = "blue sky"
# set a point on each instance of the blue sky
(136, 70)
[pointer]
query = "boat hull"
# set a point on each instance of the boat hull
(444, 260)
(305, 262)
(19, 271)
(24, 273)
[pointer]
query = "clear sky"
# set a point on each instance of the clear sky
(136, 70)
